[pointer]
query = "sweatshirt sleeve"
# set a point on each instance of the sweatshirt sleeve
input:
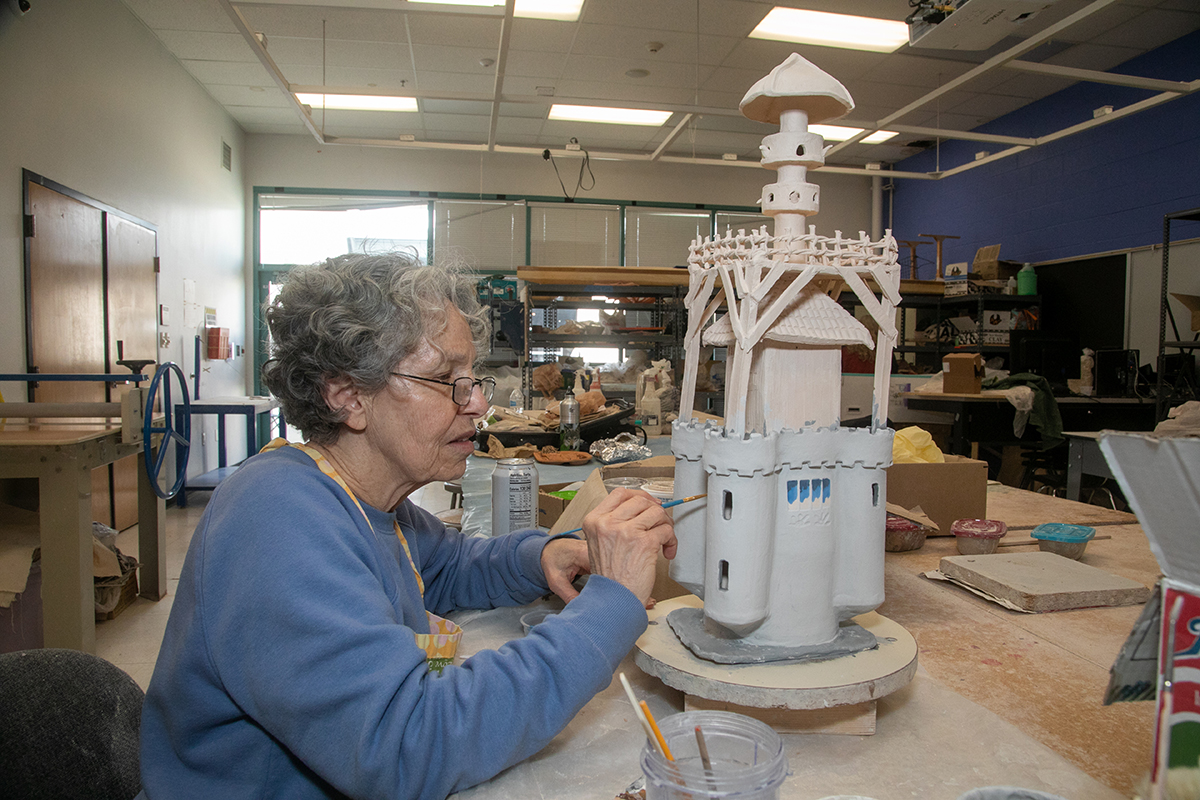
(472, 572)
(301, 627)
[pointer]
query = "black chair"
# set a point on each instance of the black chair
(69, 725)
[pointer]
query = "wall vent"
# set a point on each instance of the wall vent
(226, 156)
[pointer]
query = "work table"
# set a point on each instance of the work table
(1000, 697)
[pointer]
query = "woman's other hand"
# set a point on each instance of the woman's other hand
(564, 560)
(625, 534)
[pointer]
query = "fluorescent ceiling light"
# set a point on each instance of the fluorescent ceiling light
(832, 30)
(616, 116)
(840, 133)
(358, 102)
(567, 10)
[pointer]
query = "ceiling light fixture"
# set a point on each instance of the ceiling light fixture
(832, 30)
(840, 133)
(614, 116)
(565, 10)
(358, 102)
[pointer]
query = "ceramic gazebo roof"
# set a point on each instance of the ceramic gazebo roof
(797, 83)
(813, 318)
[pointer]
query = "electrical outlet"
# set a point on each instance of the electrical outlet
(203, 438)
(164, 339)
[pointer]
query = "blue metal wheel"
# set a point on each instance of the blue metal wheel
(176, 428)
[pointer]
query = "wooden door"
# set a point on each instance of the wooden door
(133, 330)
(65, 309)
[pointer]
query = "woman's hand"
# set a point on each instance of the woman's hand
(564, 560)
(625, 534)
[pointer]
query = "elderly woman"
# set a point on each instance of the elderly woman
(304, 653)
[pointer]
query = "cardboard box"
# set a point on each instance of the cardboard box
(1192, 303)
(550, 508)
(963, 286)
(987, 265)
(962, 373)
(956, 489)
(1159, 477)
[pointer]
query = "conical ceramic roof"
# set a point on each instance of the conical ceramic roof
(797, 83)
(812, 318)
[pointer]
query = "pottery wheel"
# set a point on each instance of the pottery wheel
(848, 680)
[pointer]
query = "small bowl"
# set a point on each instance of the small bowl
(1068, 541)
(977, 537)
(902, 535)
(535, 617)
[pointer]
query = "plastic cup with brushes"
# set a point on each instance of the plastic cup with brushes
(700, 755)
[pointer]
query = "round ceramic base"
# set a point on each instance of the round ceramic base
(849, 680)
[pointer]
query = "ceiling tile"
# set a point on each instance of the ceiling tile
(229, 96)
(543, 35)
(1094, 56)
(628, 42)
(455, 30)
(228, 72)
(1153, 29)
(207, 46)
(182, 15)
(364, 25)
(458, 122)
(534, 64)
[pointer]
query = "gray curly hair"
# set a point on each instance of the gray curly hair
(356, 316)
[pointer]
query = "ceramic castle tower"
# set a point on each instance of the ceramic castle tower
(790, 542)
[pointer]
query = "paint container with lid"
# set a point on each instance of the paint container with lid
(1068, 541)
(745, 756)
(978, 536)
(903, 534)
(624, 483)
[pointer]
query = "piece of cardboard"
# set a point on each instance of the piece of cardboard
(1192, 303)
(955, 489)
(962, 373)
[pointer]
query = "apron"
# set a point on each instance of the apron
(441, 643)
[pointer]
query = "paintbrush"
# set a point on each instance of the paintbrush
(668, 504)
(641, 715)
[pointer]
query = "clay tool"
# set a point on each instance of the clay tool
(668, 504)
(1161, 767)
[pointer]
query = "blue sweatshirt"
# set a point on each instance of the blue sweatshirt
(289, 667)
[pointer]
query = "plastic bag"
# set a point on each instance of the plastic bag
(914, 445)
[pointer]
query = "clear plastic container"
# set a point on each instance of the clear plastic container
(1066, 540)
(624, 483)
(746, 756)
(902, 535)
(978, 536)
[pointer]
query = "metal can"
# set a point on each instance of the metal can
(514, 495)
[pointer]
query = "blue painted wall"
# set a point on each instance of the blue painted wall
(1104, 189)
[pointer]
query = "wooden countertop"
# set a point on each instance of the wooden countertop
(1044, 673)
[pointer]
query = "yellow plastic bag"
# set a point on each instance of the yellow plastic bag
(913, 445)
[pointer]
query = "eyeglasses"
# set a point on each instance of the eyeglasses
(463, 387)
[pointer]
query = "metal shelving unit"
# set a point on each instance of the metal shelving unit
(665, 308)
(1166, 396)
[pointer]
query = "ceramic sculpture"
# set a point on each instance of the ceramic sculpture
(790, 544)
